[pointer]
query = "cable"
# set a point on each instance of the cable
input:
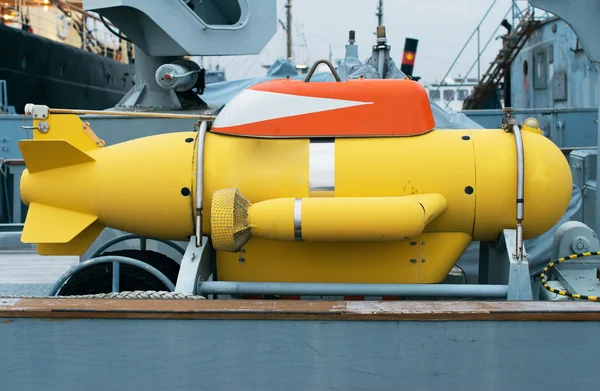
(178, 76)
(105, 23)
(565, 292)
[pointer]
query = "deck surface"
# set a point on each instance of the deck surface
(29, 274)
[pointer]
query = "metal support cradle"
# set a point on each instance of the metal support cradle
(198, 264)
(116, 261)
(337, 289)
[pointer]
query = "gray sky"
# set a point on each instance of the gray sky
(441, 26)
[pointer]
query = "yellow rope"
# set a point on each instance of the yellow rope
(565, 292)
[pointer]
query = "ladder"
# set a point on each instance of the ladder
(512, 45)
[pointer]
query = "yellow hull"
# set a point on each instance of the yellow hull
(146, 186)
(474, 170)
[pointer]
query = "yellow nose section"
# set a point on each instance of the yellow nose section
(548, 183)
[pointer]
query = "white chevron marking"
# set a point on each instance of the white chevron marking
(252, 106)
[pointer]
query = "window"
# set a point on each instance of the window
(434, 95)
(462, 94)
(448, 94)
(540, 64)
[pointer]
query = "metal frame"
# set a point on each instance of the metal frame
(569, 128)
(502, 275)
(4, 106)
(17, 206)
(198, 264)
(337, 289)
(575, 275)
(200, 180)
(498, 265)
(116, 261)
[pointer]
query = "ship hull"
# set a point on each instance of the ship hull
(39, 70)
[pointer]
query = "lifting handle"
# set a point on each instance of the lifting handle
(316, 65)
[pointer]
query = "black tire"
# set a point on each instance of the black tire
(98, 278)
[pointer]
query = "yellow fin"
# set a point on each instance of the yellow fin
(77, 246)
(43, 155)
(69, 127)
(49, 224)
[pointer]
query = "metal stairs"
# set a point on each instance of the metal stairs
(494, 76)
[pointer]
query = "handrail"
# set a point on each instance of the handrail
(517, 13)
(465, 45)
(145, 114)
(316, 65)
(475, 62)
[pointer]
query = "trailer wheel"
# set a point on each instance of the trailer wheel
(98, 278)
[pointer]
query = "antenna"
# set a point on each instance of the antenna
(289, 29)
(380, 13)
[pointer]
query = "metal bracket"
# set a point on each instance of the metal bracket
(576, 275)
(519, 279)
(37, 111)
(507, 121)
(574, 237)
(88, 130)
(198, 264)
(501, 266)
(42, 127)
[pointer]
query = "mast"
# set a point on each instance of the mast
(289, 29)
(380, 13)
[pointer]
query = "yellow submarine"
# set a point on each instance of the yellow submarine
(301, 182)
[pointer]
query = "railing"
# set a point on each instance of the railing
(517, 13)
(477, 61)
(476, 31)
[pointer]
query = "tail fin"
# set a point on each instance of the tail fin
(69, 127)
(77, 246)
(43, 155)
(73, 235)
(64, 143)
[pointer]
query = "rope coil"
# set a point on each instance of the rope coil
(566, 293)
(131, 295)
